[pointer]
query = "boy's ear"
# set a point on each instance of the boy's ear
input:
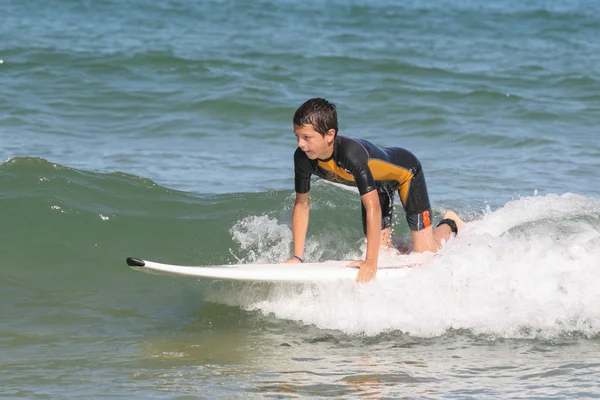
(330, 135)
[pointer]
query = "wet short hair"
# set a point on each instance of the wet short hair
(319, 113)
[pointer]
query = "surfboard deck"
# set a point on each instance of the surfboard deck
(307, 272)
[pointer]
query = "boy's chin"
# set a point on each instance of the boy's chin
(310, 155)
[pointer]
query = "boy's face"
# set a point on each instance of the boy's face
(313, 143)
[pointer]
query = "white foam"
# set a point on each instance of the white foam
(262, 239)
(528, 269)
(352, 189)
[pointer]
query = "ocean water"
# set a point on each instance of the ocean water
(163, 130)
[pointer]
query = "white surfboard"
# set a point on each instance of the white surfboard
(307, 272)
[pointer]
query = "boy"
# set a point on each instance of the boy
(377, 172)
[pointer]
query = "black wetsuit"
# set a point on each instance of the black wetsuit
(359, 163)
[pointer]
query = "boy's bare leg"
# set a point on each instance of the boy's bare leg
(430, 239)
(424, 240)
(386, 237)
(385, 243)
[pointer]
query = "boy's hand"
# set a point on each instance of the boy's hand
(368, 269)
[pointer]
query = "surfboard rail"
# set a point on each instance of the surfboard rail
(295, 272)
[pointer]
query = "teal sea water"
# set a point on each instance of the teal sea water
(162, 130)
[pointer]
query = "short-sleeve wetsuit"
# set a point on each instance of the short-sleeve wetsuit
(357, 162)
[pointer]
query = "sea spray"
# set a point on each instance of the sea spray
(525, 270)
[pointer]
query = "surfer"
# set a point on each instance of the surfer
(377, 172)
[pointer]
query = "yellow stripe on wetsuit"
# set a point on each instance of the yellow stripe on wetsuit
(381, 171)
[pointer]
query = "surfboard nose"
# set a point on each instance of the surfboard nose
(135, 262)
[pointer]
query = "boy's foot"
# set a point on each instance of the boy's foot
(452, 215)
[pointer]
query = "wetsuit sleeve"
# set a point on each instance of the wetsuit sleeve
(303, 168)
(355, 158)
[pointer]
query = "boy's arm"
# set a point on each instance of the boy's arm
(368, 267)
(300, 224)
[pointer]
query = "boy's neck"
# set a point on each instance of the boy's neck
(329, 153)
